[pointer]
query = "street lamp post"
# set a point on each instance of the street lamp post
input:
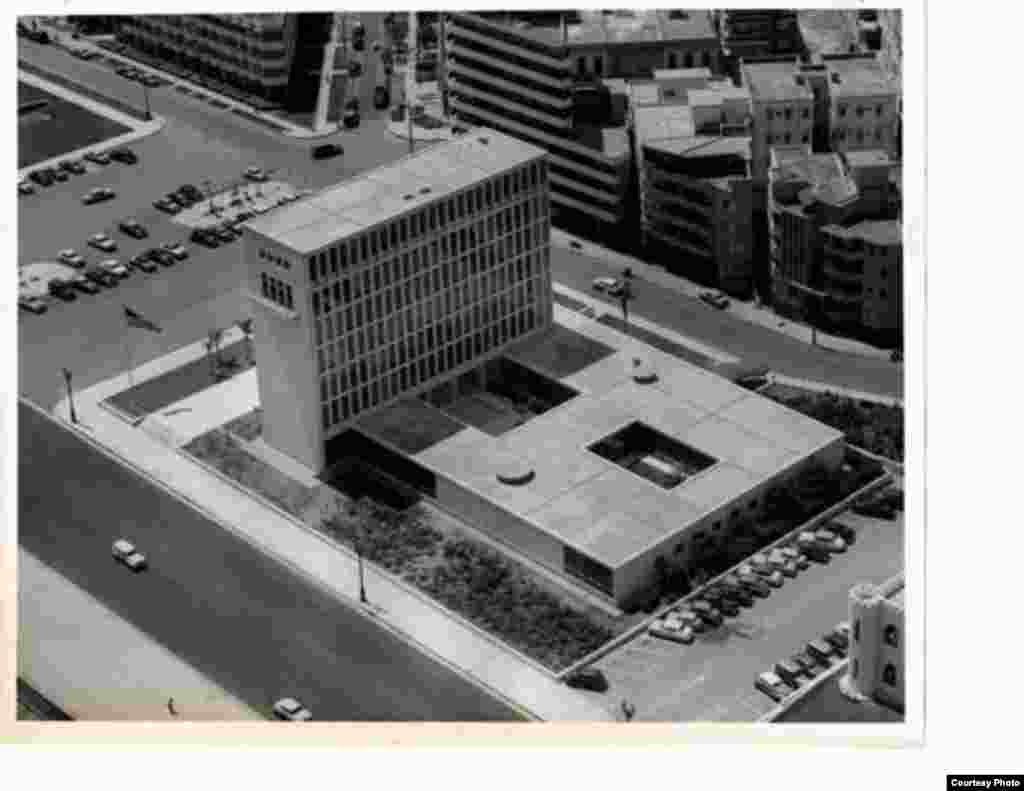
(362, 579)
(145, 93)
(71, 401)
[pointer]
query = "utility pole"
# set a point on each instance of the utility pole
(410, 75)
(71, 400)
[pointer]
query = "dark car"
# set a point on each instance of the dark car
(351, 119)
(838, 640)
(710, 615)
(806, 664)
(190, 191)
(327, 150)
(62, 289)
(755, 585)
(167, 205)
(355, 68)
(381, 97)
(32, 304)
(143, 263)
(98, 157)
(789, 671)
(124, 155)
(101, 276)
(358, 37)
(844, 531)
(204, 237)
(60, 175)
(84, 284)
(162, 257)
(738, 594)
(72, 166)
(43, 177)
(588, 678)
(98, 195)
(133, 228)
(820, 651)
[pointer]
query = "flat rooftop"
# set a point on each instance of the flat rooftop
(859, 77)
(696, 73)
(663, 122)
(775, 82)
(594, 27)
(884, 233)
(823, 175)
(392, 190)
(872, 157)
(595, 505)
(699, 146)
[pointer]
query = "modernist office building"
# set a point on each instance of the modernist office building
(390, 283)
(277, 57)
(541, 77)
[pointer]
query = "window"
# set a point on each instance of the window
(805, 139)
(673, 60)
(878, 110)
(891, 636)
(856, 631)
(581, 66)
(805, 114)
(789, 113)
(842, 111)
(853, 668)
(889, 674)
(769, 114)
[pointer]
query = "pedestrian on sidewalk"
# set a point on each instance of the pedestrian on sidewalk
(171, 707)
(628, 710)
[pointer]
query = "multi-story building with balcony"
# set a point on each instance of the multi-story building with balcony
(385, 285)
(864, 104)
(276, 57)
(876, 665)
(540, 76)
(782, 109)
(756, 33)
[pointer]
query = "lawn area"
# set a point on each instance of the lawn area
(220, 450)
(411, 425)
(560, 352)
(61, 128)
(658, 342)
(877, 428)
(173, 386)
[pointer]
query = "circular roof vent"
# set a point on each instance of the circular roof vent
(408, 196)
(515, 472)
(643, 372)
(483, 140)
(425, 190)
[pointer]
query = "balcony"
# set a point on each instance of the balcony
(458, 62)
(513, 47)
(528, 106)
(668, 189)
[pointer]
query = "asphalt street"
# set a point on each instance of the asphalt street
(284, 637)
(712, 680)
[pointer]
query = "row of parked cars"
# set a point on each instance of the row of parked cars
(45, 177)
(817, 656)
(138, 75)
(754, 579)
(175, 201)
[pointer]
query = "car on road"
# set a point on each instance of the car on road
(98, 157)
(737, 593)
(830, 540)
(715, 299)
(771, 685)
(291, 710)
(167, 205)
(124, 551)
(102, 242)
(115, 267)
(32, 303)
(789, 671)
(124, 155)
(143, 263)
(71, 258)
(44, 177)
(225, 235)
(61, 288)
(255, 174)
(846, 532)
(710, 615)
(132, 228)
(754, 584)
(60, 175)
(327, 150)
(204, 237)
(151, 81)
(791, 553)
(381, 97)
(98, 195)
(672, 628)
(820, 651)
(589, 678)
(807, 665)
(161, 256)
(25, 187)
(72, 166)
(839, 639)
(177, 249)
(609, 285)
(83, 283)
(351, 119)
(190, 191)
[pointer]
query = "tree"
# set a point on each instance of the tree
(213, 341)
(245, 325)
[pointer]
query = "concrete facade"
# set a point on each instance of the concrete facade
(876, 668)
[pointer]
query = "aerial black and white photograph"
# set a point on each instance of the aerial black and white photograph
(448, 366)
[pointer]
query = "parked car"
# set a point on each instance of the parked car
(124, 71)
(710, 615)
(588, 678)
(102, 242)
(25, 188)
(351, 119)
(820, 651)
(204, 237)
(715, 299)
(846, 532)
(755, 584)
(225, 235)
(124, 551)
(133, 228)
(190, 191)
(381, 97)
(124, 155)
(358, 37)
(355, 68)
(151, 81)
(673, 628)
(839, 640)
(161, 256)
(789, 671)
(98, 195)
(255, 174)
(84, 284)
(830, 541)
(43, 177)
(114, 267)
(690, 618)
(143, 263)
(59, 175)
(728, 607)
(327, 150)
(809, 545)
(771, 685)
(807, 665)
(796, 556)
(72, 166)
(32, 303)
(737, 593)
(61, 289)
(177, 249)
(775, 579)
(291, 710)
(71, 258)
(167, 206)
(98, 158)
(608, 285)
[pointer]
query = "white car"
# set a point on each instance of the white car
(291, 710)
(102, 242)
(176, 249)
(673, 628)
(115, 267)
(124, 552)
(255, 174)
(607, 284)
(71, 258)
(771, 685)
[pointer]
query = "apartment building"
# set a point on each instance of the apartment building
(835, 239)
(540, 76)
(756, 33)
(864, 104)
(782, 109)
(387, 284)
(876, 668)
(275, 57)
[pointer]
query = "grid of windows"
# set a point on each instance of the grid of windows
(276, 260)
(427, 292)
(277, 291)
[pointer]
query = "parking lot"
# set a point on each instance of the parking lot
(712, 680)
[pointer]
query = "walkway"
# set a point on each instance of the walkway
(118, 673)
(152, 447)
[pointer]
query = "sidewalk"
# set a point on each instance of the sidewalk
(744, 310)
(117, 674)
(140, 129)
(821, 387)
(152, 447)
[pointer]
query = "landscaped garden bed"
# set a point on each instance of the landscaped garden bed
(877, 428)
(658, 341)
